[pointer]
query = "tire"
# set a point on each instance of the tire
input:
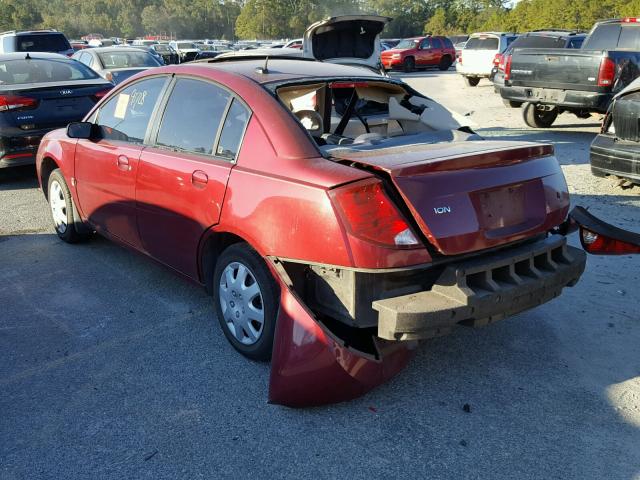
(409, 64)
(538, 118)
(472, 81)
(511, 103)
(238, 269)
(63, 211)
(445, 63)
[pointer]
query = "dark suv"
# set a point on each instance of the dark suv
(35, 41)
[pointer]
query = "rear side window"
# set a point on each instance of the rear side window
(436, 43)
(192, 117)
(20, 72)
(629, 37)
(603, 37)
(482, 43)
(233, 131)
(575, 42)
(49, 42)
(126, 116)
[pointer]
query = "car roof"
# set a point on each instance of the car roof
(283, 69)
(137, 48)
(555, 33)
(33, 55)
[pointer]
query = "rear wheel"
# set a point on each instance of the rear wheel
(62, 209)
(409, 64)
(537, 116)
(246, 301)
(472, 81)
(445, 63)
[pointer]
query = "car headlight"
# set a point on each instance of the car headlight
(395, 55)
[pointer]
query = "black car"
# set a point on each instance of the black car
(169, 55)
(35, 41)
(40, 92)
(616, 151)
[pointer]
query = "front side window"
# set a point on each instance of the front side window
(425, 44)
(126, 116)
(192, 116)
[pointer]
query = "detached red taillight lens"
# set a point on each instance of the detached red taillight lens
(14, 102)
(606, 73)
(507, 67)
(601, 245)
(369, 214)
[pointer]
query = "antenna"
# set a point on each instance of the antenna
(265, 68)
(27, 57)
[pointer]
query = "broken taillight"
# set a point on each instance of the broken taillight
(607, 72)
(369, 214)
(599, 244)
(497, 59)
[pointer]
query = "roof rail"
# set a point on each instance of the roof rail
(29, 31)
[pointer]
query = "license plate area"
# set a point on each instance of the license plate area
(546, 95)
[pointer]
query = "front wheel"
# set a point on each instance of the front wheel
(62, 208)
(409, 64)
(539, 117)
(246, 301)
(472, 81)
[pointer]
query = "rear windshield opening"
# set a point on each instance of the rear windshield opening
(50, 42)
(343, 40)
(368, 115)
(18, 72)
(482, 43)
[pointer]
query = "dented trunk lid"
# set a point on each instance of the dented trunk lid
(472, 195)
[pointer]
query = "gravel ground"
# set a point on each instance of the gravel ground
(113, 367)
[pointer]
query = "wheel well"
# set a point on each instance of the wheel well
(211, 250)
(409, 57)
(446, 57)
(48, 166)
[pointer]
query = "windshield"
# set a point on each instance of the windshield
(127, 59)
(19, 72)
(408, 43)
(186, 45)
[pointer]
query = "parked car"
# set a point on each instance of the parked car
(329, 253)
(149, 50)
(420, 52)
(116, 64)
(38, 93)
(212, 51)
(551, 81)
(616, 151)
(535, 39)
(186, 50)
(144, 43)
(475, 60)
(296, 43)
(35, 41)
(78, 45)
(164, 50)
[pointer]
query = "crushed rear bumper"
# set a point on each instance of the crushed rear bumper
(479, 291)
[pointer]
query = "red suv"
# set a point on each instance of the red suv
(412, 53)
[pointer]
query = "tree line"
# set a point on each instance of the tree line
(265, 19)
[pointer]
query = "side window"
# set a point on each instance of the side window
(192, 117)
(575, 42)
(603, 37)
(425, 44)
(85, 58)
(126, 116)
(232, 131)
(437, 43)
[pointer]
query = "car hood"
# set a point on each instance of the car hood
(350, 39)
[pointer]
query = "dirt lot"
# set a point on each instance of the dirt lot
(113, 367)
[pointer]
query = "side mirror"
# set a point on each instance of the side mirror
(84, 130)
(600, 238)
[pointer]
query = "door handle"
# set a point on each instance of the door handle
(123, 163)
(199, 178)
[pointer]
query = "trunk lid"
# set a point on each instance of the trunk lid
(471, 195)
(350, 39)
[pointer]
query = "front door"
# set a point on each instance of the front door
(183, 175)
(106, 166)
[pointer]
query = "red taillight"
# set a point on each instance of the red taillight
(348, 84)
(606, 73)
(370, 215)
(497, 59)
(507, 68)
(600, 245)
(99, 95)
(13, 102)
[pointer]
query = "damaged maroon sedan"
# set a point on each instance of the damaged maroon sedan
(336, 216)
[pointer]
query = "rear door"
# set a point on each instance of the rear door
(106, 167)
(183, 176)
(425, 54)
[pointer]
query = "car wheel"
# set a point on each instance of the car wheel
(472, 81)
(445, 63)
(246, 301)
(62, 208)
(537, 117)
(511, 103)
(409, 64)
